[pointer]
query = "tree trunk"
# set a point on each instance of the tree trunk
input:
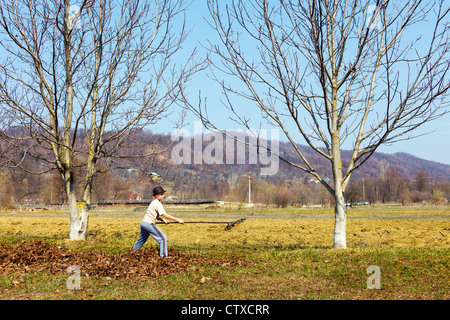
(78, 211)
(340, 218)
(340, 221)
(79, 218)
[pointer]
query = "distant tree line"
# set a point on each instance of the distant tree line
(377, 182)
(19, 188)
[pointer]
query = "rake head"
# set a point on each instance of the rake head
(234, 223)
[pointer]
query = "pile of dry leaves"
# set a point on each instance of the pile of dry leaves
(36, 256)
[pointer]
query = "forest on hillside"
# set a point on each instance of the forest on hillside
(400, 178)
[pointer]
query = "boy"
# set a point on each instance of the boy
(148, 227)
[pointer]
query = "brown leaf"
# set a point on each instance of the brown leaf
(32, 256)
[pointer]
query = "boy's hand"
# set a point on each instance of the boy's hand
(180, 221)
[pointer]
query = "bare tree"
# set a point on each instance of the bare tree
(78, 81)
(336, 72)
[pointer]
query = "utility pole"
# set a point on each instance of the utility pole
(363, 191)
(249, 189)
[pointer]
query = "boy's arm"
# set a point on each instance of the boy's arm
(161, 219)
(168, 216)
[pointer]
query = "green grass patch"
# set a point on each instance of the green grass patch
(271, 273)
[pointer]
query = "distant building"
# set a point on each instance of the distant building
(172, 198)
(315, 180)
(134, 197)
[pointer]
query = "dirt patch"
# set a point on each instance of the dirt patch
(369, 232)
(33, 256)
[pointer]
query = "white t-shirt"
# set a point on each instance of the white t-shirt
(154, 210)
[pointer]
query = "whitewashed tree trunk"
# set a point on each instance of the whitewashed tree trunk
(79, 219)
(340, 223)
(78, 210)
(340, 218)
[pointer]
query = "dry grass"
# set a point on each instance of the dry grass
(252, 232)
(290, 255)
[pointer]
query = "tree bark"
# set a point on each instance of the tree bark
(78, 211)
(79, 219)
(340, 218)
(340, 222)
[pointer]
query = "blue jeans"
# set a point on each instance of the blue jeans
(151, 229)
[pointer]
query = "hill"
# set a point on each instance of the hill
(213, 168)
(405, 165)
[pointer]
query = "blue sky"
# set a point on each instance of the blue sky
(434, 145)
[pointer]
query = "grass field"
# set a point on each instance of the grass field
(288, 254)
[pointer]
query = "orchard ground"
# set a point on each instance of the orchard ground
(274, 254)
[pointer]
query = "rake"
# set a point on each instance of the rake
(228, 226)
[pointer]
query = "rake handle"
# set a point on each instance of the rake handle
(228, 227)
(223, 222)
